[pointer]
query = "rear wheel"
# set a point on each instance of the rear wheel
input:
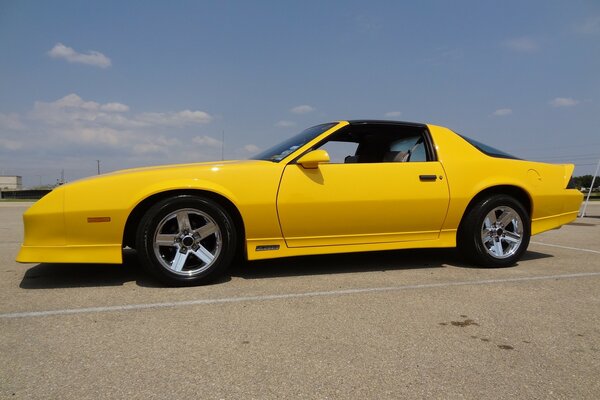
(495, 232)
(186, 240)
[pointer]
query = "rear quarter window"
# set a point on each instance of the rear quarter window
(488, 150)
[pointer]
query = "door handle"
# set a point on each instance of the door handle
(428, 177)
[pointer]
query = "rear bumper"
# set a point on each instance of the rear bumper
(540, 225)
(555, 209)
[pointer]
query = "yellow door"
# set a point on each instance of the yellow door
(339, 204)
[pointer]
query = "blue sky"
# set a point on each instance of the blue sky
(142, 83)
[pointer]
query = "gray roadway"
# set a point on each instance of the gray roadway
(404, 324)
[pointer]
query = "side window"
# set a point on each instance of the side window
(376, 144)
(396, 146)
(413, 146)
(340, 152)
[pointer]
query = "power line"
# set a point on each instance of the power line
(542, 148)
(566, 159)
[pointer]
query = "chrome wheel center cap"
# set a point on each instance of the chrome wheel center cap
(187, 241)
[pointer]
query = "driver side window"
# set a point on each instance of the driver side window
(339, 151)
(376, 144)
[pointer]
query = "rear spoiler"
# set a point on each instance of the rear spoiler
(568, 176)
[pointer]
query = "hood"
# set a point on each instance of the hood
(174, 168)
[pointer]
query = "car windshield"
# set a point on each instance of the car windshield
(489, 150)
(281, 150)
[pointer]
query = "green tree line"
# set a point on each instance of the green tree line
(585, 181)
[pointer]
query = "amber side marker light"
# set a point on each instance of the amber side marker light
(98, 219)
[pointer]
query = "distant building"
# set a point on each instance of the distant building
(11, 182)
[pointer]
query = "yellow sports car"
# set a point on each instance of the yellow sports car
(339, 187)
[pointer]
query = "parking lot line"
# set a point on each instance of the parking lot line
(567, 247)
(128, 307)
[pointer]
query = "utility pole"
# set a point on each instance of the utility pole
(98, 161)
(590, 191)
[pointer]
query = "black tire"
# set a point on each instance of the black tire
(186, 240)
(500, 248)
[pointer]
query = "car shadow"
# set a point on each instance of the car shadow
(347, 263)
(359, 262)
(58, 276)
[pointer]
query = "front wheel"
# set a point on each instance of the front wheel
(495, 232)
(186, 240)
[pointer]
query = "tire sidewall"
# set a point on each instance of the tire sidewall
(149, 224)
(473, 244)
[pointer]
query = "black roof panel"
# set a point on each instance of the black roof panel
(385, 122)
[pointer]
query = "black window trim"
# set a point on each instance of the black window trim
(428, 141)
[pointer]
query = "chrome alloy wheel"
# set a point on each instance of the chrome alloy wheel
(187, 242)
(502, 232)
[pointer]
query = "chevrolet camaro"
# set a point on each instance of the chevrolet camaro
(338, 187)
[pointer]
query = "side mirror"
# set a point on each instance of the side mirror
(312, 159)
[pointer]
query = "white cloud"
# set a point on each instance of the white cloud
(590, 26)
(94, 58)
(393, 114)
(72, 132)
(285, 124)
(251, 148)
(97, 136)
(180, 118)
(207, 141)
(11, 121)
(148, 149)
(74, 101)
(502, 112)
(563, 102)
(10, 145)
(302, 109)
(73, 128)
(156, 146)
(73, 109)
(114, 107)
(523, 44)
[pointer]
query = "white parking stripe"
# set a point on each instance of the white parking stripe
(567, 247)
(288, 296)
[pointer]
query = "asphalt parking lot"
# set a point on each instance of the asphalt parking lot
(401, 324)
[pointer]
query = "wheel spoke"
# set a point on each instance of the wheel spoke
(185, 232)
(487, 239)
(179, 261)
(498, 248)
(505, 218)
(209, 229)
(183, 221)
(512, 237)
(488, 222)
(165, 239)
(502, 232)
(204, 255)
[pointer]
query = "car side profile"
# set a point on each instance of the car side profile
(346, 186)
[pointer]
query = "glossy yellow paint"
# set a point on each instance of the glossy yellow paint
(312, 159)
(552, 204)
(330, 208)
(339, 204)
